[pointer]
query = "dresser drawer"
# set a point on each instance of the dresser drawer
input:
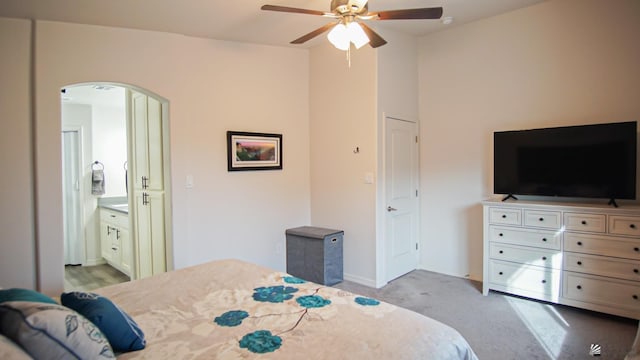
(585, 222)
(603, 291)
(602, 245)
(505, 216)
(526, 255)
(514, 277)
(624, 225)
(603, 266)
(527, 237)
(543, 219)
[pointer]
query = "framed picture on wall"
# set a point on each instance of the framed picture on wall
(253, 151)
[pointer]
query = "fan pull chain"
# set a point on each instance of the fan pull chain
(349, 56)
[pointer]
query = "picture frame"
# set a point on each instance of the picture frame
(253, 151)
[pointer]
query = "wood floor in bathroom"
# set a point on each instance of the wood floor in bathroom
(87, 278)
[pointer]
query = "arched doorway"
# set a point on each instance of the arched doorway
(125, 224)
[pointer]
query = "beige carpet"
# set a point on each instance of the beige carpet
(500, 326)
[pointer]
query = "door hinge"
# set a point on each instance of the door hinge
(416, 192)
(416, 139)
(416, 246)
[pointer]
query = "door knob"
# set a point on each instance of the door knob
(390, 209)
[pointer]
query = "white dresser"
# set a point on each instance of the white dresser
(583, 255)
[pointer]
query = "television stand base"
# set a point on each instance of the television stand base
(510, 196)
(613, 202)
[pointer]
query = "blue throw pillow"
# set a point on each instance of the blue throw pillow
(118, 327)
(17, 294)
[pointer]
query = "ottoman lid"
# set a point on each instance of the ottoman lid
(313, 232)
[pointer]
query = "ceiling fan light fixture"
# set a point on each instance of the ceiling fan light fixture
(351, 16)
(356, 35)
(339, 37)
(342, 35)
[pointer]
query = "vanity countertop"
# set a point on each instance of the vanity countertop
(120, 204)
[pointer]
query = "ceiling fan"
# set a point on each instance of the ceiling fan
(349, 27)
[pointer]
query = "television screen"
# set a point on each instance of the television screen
(589, 161)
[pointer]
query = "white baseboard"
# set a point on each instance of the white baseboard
(360, 280)
(94, 262)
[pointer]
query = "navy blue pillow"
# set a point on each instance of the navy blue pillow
(17, 294)
(118, 327)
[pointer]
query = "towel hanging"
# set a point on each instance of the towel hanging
(97, 178)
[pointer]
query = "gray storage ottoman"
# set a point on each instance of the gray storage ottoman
(315, 254)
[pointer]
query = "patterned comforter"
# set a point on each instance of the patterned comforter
(231, 309)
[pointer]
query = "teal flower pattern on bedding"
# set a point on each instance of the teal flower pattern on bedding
(231, 318)
(293, 280)
(260, 342)
(366, 301)
(273, 294)
(312, 301)
(281, 315)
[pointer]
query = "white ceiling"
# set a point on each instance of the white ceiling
(94, 94)
(242, 20)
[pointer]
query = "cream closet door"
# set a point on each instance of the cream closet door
(148, 185)
(401, 195)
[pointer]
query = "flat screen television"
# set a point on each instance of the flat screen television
(586, 161)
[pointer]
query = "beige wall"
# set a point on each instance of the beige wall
(17, 249)
(347, 110)
(343, 118)
(561, 62)
(397, 97)
(211, 86)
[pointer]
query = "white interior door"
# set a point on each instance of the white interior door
(71, 205)
(401, 195)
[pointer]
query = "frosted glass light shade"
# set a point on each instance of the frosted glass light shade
(357, 35)
(339, 37)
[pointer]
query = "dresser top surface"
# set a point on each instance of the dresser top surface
(566, 206)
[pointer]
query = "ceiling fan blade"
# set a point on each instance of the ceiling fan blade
(375, 40)
(292, 10)
(314, 33)
(408, 14)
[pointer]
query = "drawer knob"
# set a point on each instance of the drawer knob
(501, 252)
(635, 297)
(500, 273)
(584, 222)
(579, 287)
(501, 234)
(636, 271)
(544, 239)
(636, 249)
(544, 258)
(579, 263)
(504, 216)
(579, 243)
(544, 281)
(541, 219)
(633, 226)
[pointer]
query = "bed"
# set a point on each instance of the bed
(226, 309)
(231, 309)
